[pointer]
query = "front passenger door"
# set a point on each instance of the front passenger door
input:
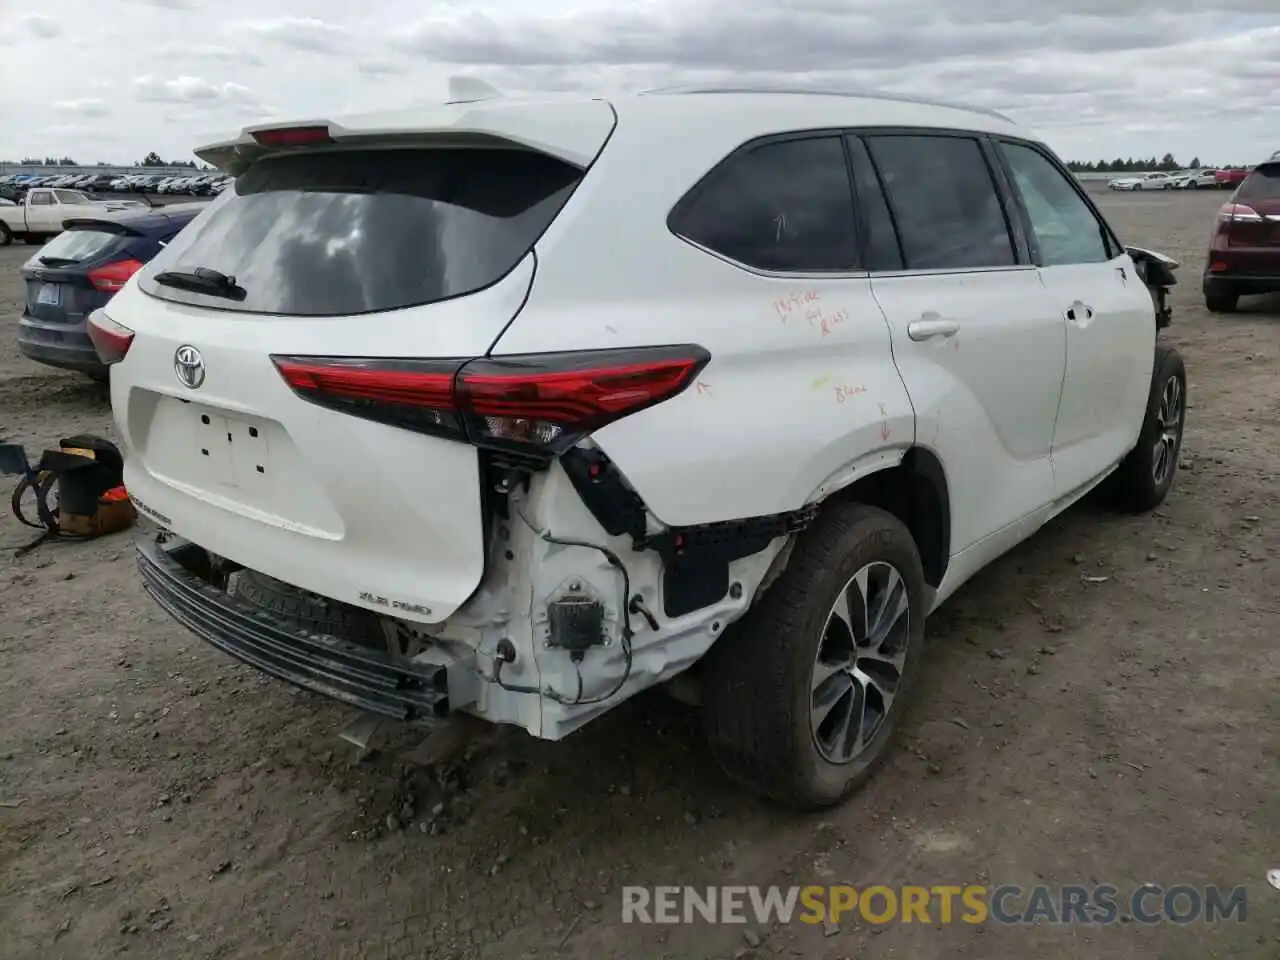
(1106, 311)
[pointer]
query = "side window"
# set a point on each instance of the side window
(784, 206)
(41, 198)
(1065, 229)
(947, 210)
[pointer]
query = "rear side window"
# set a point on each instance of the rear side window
(1262, 184)
(360, 231)
(785, 206)
(77, 246)
(944, 202)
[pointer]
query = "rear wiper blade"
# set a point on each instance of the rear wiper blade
(203, 280)
(58, 261)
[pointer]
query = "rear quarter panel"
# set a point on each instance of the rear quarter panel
(801, 395)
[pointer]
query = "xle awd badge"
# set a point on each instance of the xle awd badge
(189, 366)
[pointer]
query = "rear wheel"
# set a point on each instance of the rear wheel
(1145, 476)
(1221, 301)
(802, 697)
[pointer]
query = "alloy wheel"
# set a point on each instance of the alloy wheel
(1170, 421)
(860, 662)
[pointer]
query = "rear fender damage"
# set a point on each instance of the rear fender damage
(575, 612)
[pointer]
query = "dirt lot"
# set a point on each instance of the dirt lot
(159, 800)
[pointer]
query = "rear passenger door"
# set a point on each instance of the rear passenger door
(978, 343)
(1106, 313)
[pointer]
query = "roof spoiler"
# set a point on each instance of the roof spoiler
(96, 223)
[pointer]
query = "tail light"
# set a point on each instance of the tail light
(539, 404)
(110, 339)
(1239, 213)
(113, 276)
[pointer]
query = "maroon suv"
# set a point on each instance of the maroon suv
(1244, 254)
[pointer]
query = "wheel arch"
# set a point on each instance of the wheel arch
(915, 490)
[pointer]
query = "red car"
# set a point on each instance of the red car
(1244, 254)
(1229, 178)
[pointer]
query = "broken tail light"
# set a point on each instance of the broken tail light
(539, 404)
(111, 340)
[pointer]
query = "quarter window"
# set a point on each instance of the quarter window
(944, 202)
(785, 206)
(1065, 229)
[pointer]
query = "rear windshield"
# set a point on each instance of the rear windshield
(79, 245)
(1262, 184)
(358, 231)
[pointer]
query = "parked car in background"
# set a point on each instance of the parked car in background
(1142, 181)
(1244, 253)
(43, 210)
(1196, 180)
(940, 346)
(1231, 177)
(79, 270)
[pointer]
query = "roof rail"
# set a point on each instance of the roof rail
(824, 92)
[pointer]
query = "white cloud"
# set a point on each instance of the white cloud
(85, 107)
(39, 26)
(191, 90)
(1095, 77)
(301, 33)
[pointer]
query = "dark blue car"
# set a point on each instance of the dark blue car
(79, 270)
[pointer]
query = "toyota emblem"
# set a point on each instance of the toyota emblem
(189, 366)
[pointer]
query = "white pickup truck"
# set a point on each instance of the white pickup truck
(43, 211)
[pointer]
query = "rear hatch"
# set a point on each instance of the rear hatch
(1254, 210)
(375, 250)
(80, 269)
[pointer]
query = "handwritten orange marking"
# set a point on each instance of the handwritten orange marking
(848, 393)
(834, 321)
(883, 411)
(884, 430)
(702, 387)
(793, 302)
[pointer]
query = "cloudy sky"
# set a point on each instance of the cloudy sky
(114, 79)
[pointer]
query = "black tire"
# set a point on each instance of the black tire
(1221, 301)
(758, 679)
(1137, 484)
(6, 235)
(308, 610)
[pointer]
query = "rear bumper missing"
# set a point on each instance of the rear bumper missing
(352, 673)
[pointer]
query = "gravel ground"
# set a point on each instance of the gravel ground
(159, 800)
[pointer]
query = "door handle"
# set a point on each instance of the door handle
(1080, 313)
(931, 325)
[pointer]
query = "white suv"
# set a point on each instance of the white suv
(518, 408)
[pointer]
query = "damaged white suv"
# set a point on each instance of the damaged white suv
(517, 408)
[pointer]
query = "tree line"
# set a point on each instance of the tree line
(152, 159)
(1166, 164)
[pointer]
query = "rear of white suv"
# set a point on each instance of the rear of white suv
(518, 408)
